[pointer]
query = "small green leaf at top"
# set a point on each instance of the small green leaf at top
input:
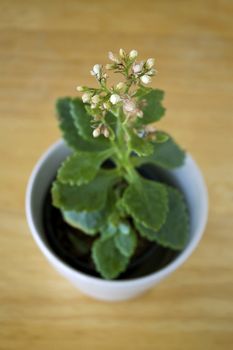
(161, 137)
(167, 155)
(87, 197)
(139, 145)
(108, 259)
(147, 202)
(152, 107)
(174, 232)
(142, 92)
(125, 239)
(82, 167)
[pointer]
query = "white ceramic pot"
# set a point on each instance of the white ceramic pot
(188, 178)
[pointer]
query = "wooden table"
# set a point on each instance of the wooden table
(47, 48)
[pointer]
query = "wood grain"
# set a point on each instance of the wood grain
(46, 49)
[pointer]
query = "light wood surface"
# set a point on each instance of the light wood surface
(46, 49)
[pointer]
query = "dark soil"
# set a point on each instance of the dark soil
(74, 247)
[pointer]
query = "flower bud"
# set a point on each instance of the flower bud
(150, 129)
(145, 79)
(137, 67)
(133, 54)
(96, 71)
(149, 63)
(140, 114)
(120, 86)
(114, 99)
(122, 53)
(80, 88)
(96, 132)
(152, 72)
(107, 105)
(86, 97)
(105, 132)
(112, 57)
(95, 99)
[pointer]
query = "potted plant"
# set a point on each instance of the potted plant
(120, 205)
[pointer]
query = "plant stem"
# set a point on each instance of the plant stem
(123, 150)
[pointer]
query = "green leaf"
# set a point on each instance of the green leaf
(167, 155)
(69, 131)
(108, 259)
(126, 240)
(142, 91)
(152, 109)
(161, 137)
(139, 145)
(146, 201)
(87, 197)
(108, 230)
(82, 167)
(174, 233)
(82, 121)
(90, 222)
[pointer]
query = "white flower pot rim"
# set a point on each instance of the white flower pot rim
(179, 260)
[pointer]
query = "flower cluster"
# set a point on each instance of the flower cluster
(99, 101)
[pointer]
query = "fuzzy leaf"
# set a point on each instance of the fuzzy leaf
(82, 167)
(82, 121)
(167, 155)
(142, 91)
(108, 259)
(90, 221)
(174, 233)
(125, 240)
(146, 201)
(139, 145)
(70, 131)
(153, 109)
(161, 137)
(87, 197)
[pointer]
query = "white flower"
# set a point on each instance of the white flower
(112, 57)
(95, 99)
(114, 99)
(129, 106)
(150, 62)
(133, 54)
(96, 70)
(86, 97)
(96, 132)
(137, 67)
(145, 79)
